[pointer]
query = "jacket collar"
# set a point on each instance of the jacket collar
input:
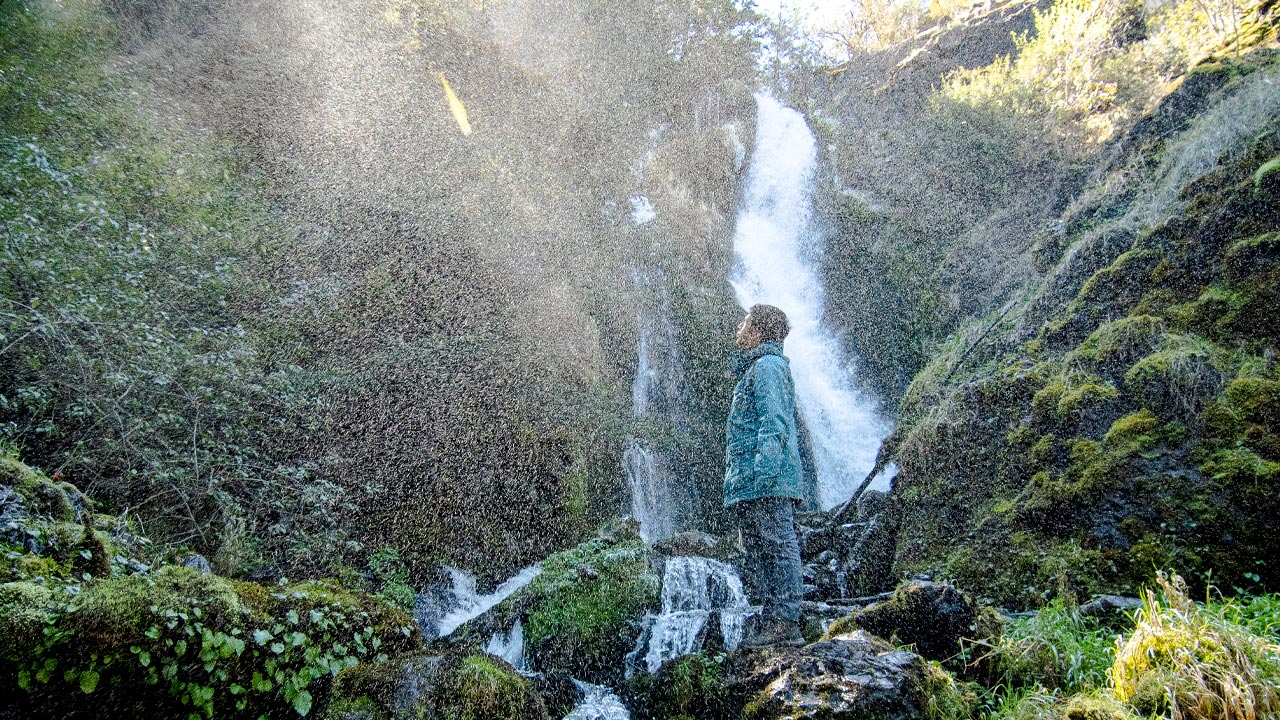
(745, 358)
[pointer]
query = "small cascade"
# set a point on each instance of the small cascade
(692, 589)
(510, 647)
(657, 494)
(468, 603)
(598, 703)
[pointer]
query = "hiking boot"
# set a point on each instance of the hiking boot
(764, 633)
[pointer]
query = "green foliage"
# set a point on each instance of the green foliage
(127, 363)
(1056, 649)
(202, 642)
(1093, 66)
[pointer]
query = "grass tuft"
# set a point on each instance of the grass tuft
(1188, 663)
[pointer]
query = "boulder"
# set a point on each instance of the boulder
(455, 685)
(847, 676)
(931, 616)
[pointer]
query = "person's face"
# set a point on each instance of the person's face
(748, 337)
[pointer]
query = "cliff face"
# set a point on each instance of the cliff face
(1104, 400)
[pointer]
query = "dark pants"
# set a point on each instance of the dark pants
(772, 563)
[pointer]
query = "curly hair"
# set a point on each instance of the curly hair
(770, 322)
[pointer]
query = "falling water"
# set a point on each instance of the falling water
(510, 647)
(773, 241)
(692, 587)
(469, 603)
(657, 494)
(598, 703)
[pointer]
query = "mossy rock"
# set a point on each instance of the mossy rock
(1258, 400)
(582, 613)
(1179, 379)
(1229, 313)
(934, 618)
(114, 613)
(22, 614)
(456, 686)
(1117, 345)
(215, 643)
(41, 496)
(1252, 255)
(1133, 433)
(1267, 176)
(695, 686)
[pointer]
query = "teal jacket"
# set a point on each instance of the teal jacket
(762, 453)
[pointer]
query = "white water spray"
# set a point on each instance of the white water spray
(598, 703)
(773, 239)
(692, 587)
(469, 603)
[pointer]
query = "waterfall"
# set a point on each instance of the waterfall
(598, 703)
(692, 588)
(775, 244)
(468, 603)
(657, 494)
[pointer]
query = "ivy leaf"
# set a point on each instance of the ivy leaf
(144, 657)
(302, 702)
(88, 681)
(261, 636)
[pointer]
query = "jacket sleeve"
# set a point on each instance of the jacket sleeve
(773, 408)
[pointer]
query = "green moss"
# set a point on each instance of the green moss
(1116, 345)
(22, 614)
(18, 565)
(1268, 170)
(485, 691)
(582, 608)
(1044, 404)
(458, 686)
(1085, 398)
(1251, 255)
(1097, 706)
(1258, 400)
(946, 698)
(1179, 379)
(41, 495)
(362, 708)
(1044, 452)
(1132, 433)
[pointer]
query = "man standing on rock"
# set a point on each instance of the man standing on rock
(763, 478)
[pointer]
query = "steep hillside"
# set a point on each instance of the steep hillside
(1121, 415)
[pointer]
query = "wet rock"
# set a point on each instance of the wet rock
(692, 542)
(197, 562)
(1109, 604)
(850, 559)
(817, 617)
(848, 676)
(558, 692)
(933, 617)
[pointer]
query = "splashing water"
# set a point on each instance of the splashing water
(510, 647)
(598, 703)
(692, 587)
(772, 237)
(471, 604)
